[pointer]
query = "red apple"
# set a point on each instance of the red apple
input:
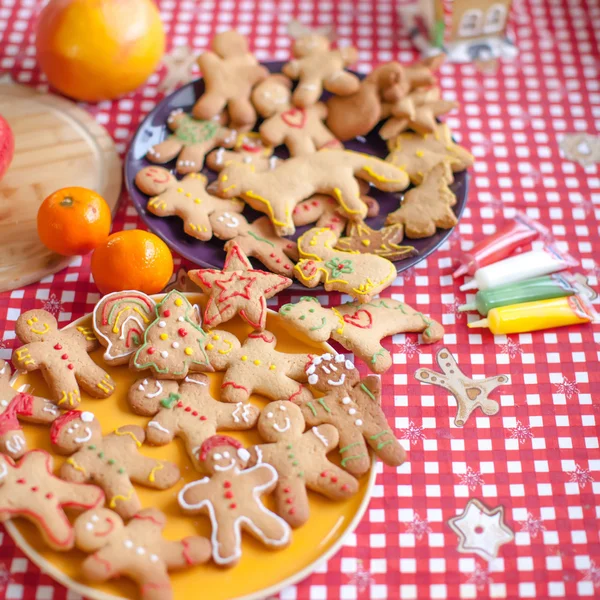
(7, 146)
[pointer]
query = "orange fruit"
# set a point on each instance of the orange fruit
(73, 220)
(132, 260)
(99, 49)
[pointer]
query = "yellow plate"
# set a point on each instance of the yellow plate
(261, 572)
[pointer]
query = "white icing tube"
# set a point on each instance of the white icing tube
(518, 268)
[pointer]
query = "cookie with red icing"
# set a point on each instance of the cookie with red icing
(114, 460)
(237, 289)
(136, 550)
(29, 489)
(300, 460)
(230, 496)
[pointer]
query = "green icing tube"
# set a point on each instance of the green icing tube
(531, 290)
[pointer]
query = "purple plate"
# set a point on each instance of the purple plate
(153, 130)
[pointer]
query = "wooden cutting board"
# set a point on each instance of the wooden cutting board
(57, 144)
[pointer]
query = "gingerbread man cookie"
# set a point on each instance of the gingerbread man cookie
(113, 461)
(418, 154)
(188, 199)
(230, 72)
(256, 367)
(331, 172)
(237, 289)
(257, 239)
(120, 320)
(300, 129)
(15, 405)
(324, 211)
(186, 410)
(62, 356)
(354, 408)
(300, 460)
(30, 490)
(191, 141)
(173, 342)
(230, 497)
(249, 149)
(427, 206)
(136, 550)
(362, 276)
(360, 327)
(316, 66)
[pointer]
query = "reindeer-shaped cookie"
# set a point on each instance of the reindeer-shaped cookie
(186, 410)
(362, 276)
(187, 198)
(29, 489)
(191, 141)
(360, 327)
(15, 405)
(300, 459)
(230, 72)
(256, 367)
(354, 408)
(317, 66)
(332, 172)
(136, 550)
(256, 239)
(112, 461)
(62, 356)
(230, 497)
(300, 129)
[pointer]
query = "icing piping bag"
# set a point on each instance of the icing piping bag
(533, 316)
(519, 268)
(516, 233)
(557, 285)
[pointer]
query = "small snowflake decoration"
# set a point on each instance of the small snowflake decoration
(409, 348)
(419, 527)
(53, 305)
(532, 525)
(408, 275)
(568, 388)
(592, 574)
(512, 348)
(451, 308)
(471, 478)
(480, 577)
(580, 476)
(413, 433)
(362, 579)
(521, 432)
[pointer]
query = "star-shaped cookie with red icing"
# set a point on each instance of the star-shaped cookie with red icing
(237, 289)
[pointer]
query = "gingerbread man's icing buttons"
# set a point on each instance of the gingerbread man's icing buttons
(469, 393)
(136, 550)
(230, 497)
(481, 530)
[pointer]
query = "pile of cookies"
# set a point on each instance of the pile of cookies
(316, 404)
(321, 183)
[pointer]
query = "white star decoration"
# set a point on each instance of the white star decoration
(481, 530)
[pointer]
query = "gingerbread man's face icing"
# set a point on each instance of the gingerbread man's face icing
(225, 458)
(154, 179)
(311, 317)
(78, 432)
(231, 223)
(281, 420)
(37, 327)
(309, 44)
(272, 95)
(96, 530)
(331, 372)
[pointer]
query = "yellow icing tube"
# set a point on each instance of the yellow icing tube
(533, 316)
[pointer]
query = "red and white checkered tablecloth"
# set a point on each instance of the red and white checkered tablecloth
(539, 456)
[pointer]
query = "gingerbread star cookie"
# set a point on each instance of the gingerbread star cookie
(237, 289)
(187, 199)
(191, 140)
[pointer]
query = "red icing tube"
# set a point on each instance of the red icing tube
(516, 233)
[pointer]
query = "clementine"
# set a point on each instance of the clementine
(132, 260)
(99, 49)
(73, 221)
